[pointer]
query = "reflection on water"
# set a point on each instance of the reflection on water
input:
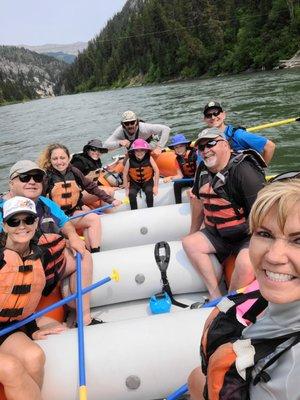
(250, 99)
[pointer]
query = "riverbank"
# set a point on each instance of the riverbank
(293, 62)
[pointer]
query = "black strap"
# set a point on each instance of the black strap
(263, 375)
(162, 254)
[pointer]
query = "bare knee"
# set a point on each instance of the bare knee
(34, 358)
(11, 369)
(196, 382)
(188, 243)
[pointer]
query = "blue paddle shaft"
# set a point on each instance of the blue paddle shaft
(53, 307)
(80, 331)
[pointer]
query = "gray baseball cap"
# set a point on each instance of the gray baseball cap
(129, 116)
(209, 133)
(23, 166)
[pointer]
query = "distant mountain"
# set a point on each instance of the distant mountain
(73, 48)
(59, 55)
(28, 75)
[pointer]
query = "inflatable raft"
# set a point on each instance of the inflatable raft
(141, 358)
(145, 226)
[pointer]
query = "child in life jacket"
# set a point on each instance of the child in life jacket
(65, 184)
(186, 159)
(140, 173)
(23, 282)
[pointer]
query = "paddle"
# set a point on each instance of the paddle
(98, 210)
(114, 276)
(272, 124)
(80, 332)
(178, 392)
(269, 125)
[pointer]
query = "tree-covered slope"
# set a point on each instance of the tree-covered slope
(156, 40)
(28, 75)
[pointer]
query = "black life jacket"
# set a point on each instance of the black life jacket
(227, 358)
(140, 171)
(188, 163)
(86, 164)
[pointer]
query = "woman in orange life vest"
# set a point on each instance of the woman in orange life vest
(64, 185)
(186, 157)
(275, 255)
(89, 163)
(22, 283)
(140, 173)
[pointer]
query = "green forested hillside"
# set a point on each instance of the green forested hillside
(156, 40)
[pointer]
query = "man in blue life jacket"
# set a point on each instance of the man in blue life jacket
(132, 128)
(238, 138)
(225, 187)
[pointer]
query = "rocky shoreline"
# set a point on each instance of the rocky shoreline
(293, 62)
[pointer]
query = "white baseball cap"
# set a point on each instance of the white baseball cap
(18, 205)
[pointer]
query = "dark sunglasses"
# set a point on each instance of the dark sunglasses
(212, 114)
(128, 123)
(38, 178)
(95, 149)
(14, 222)
(209, 144)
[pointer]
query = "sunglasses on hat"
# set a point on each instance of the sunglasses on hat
(212, 114)
(94, 149)
(209, 145)
(25, 178)
(128, 123)
(14, 222)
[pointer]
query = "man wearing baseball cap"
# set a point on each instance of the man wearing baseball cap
(26, 179)
(238, 138)
(226, 185)
(131, 129)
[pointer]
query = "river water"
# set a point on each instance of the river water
(249, 99)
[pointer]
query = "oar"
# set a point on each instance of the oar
(272, 124)
(178, 392)
(114, 276)
(98, 210)
(80, 332)
(269, 125)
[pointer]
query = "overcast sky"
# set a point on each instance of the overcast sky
(37, 22)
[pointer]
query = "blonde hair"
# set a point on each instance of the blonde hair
(283, 194)
(45, 157)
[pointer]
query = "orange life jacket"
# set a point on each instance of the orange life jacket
(221, 210)
(21, 285)
(188, 163)
(65, 191)
(140, 171)
(54, 260)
